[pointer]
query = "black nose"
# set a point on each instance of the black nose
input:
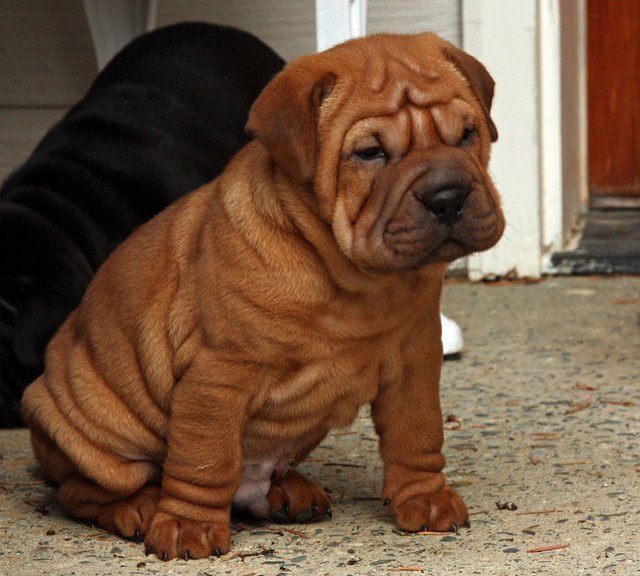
(447, 203)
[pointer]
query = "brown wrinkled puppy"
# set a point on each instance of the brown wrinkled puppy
(220, 343)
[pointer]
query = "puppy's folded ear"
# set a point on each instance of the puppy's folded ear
(479, 79)
(284, 118)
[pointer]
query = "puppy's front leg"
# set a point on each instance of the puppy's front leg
(202, 468)
(408, 419)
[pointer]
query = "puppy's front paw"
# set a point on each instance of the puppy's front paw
(173, 537)
(441, 512)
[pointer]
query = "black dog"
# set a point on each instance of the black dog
(162, 118)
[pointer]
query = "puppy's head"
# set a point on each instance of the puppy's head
(391, 134)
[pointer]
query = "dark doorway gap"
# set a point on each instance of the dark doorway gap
(610, 242)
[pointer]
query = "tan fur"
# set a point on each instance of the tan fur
(239, 326)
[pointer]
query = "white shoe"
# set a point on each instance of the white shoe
(452, 341)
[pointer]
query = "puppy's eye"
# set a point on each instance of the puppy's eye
(371, 153)
(468, 136)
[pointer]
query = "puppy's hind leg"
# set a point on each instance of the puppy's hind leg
(127, 515)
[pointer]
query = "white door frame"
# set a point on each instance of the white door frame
(339, 20)
(520, 43)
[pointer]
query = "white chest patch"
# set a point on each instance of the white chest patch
(251, 495)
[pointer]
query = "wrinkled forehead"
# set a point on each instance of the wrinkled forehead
(389, 82)
(426, 82)
(400, 111)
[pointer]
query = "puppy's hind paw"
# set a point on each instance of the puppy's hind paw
(296, 498)
(130, 517)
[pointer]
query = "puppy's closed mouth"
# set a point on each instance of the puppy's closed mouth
(414, 239)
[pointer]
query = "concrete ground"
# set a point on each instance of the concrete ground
(543, 414)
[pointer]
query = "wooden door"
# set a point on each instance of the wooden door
(613, 45)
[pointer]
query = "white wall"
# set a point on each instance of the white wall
(46, 64)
